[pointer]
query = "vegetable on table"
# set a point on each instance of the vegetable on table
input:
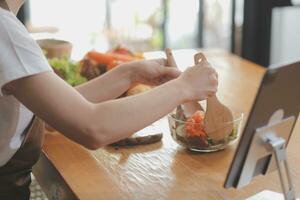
(93, 65)
(107, 58)
(96, 63)
(67, 70)
(121, 50)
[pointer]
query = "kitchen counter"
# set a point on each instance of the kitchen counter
(162, 170)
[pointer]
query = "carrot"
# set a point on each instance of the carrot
(120, 57)
(112, 65)
(108, 58)
(100, 57)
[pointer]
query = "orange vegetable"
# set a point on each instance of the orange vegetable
(198, 116)
(100, 57)
(121, 50)
(112, 65)
(189, 126)
(123, 58)
(107, 58)
(194, 125)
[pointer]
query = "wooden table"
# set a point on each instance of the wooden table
(163, 170)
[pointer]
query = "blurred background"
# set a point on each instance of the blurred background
(265, 32)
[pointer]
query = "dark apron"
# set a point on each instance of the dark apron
(15, 175)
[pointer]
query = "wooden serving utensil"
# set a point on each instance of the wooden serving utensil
(218, 118)
(186, 109)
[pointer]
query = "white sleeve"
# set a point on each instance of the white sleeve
(20, 55)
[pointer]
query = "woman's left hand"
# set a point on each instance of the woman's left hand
(152, 72)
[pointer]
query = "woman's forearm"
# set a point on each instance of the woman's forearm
(93, 124)
(117, 119)
(108, 86)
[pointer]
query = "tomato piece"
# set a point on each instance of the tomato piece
(194, 125)
(198, 116)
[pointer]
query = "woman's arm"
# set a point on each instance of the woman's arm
(97, 124)
(107, 86)
(117, 81)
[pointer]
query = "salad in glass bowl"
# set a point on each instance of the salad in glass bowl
(190, 133)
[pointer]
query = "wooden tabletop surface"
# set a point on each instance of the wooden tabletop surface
(163, 170)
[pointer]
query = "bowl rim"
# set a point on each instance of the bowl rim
(239, 118)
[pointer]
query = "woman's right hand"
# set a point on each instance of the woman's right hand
(199, 82)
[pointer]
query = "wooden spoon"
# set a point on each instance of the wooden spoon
(218, 118)
(188, 108)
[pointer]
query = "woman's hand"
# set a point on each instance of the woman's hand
(199, 82)
(152, 72)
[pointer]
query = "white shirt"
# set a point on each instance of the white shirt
(20, 56)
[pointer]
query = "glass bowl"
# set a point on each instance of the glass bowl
(202, 142)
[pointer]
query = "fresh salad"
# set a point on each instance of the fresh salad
(191, 133)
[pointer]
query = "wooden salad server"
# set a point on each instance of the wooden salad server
(218, 118)
(189, 108)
